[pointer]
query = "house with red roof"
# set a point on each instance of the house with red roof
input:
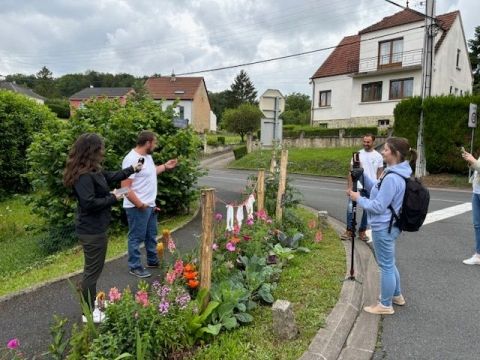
(367, 74)
(191, 97)
(121, 94)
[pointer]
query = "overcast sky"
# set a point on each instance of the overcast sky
(144, 37)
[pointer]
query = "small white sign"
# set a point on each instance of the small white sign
(472, 116)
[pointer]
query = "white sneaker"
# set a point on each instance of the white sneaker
(98, 317)
(474, 260)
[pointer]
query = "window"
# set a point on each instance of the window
(325, 98)
(384, 122)
(458, 59)
(401, 88)
(181, 112)
(390, 53)
(372, 91)
(451, 88)
(323, 125)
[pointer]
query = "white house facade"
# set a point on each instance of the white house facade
(364, 78)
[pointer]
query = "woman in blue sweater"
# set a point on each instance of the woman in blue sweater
(388, 190)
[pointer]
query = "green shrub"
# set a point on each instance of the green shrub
(445, 129)
(240, 152)
(119, 126)
(61, 107)
(288, 127)
(212, 142)
(20, 118)
(360, 131)
(221, 140)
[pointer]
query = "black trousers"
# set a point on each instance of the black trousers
(94, 252)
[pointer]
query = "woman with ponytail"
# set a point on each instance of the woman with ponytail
(388, 190)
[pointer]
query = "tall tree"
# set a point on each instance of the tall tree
(243, 90)
(243, 119)
(474, 45)
(45, 85)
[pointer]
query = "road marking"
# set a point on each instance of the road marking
(439, 215)
(447, 213)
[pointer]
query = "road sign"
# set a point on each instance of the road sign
(272, 103)
(180, 123)
(472, 116)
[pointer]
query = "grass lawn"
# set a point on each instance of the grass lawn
(312, 283)
(230, 139)
(22, 262)
(309, 161)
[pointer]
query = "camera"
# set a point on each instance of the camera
(356, 171)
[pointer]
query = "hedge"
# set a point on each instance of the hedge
(445, 129)
(240, 152)
(309, 132)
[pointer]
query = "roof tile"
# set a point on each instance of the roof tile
(172, 88)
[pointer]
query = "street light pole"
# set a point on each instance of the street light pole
(427, 69)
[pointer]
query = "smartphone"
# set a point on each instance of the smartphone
(122, 191)
(462, 149)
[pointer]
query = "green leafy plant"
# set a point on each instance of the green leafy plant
(59, 345)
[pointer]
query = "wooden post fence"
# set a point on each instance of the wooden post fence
(261, 190)
(281, 185)
(208, 208)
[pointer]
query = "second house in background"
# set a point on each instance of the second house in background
(366, 75)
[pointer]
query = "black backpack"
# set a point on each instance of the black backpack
(414, 206)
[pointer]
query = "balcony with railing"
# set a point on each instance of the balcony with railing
(386, 63)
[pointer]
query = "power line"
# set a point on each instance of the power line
(294, 55)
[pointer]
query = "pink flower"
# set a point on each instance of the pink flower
(268, 221)
(249, 222)
(171, 276)
(171, 245)
(318, 236)
(141, 297)
(178, 267)
(114, 295)
(218, 217)
(214, 246)
(13, 344)
(236, 229)
(230, 246)
(262, 215)
(247, 237)
(312, 224)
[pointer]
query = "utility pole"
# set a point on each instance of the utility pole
(427, 69)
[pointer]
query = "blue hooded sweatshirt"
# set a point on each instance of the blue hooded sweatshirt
(390, 193)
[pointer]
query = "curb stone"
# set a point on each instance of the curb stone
(350, 333)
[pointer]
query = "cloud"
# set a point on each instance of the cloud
(150, 36)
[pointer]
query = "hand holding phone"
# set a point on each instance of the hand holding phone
(462, 149)
(121, 193)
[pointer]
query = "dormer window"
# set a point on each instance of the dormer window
(390, 53)
(179, 92)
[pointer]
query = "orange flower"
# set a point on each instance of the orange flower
(235, 239)
(189, 267)
(101, 296)
(166, 233)
(190, 275)
(193, 283)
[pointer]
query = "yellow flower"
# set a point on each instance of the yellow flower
(101, 296)
(160, 249)
(166, 233)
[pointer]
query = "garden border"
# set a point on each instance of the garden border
(350, 333)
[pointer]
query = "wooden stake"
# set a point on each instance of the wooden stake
(261, 190)
(208, 207)
(281, 185)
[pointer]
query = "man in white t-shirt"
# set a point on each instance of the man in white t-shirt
(372, 163)
(140, 204)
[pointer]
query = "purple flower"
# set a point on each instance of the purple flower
(230, 246)
(250, 221)
(218, 217)
(13, 344)
(164, 291)
(183, 300)
(214, 246)
(163, 307)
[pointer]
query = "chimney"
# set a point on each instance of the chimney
(173, 79)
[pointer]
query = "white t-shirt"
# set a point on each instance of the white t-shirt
(370, 161)
(144, 182)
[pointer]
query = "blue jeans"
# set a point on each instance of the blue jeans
(476, 220)
(142, 227)
(363, 222)
(384, 245)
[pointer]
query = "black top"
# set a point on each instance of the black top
(95, 200)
